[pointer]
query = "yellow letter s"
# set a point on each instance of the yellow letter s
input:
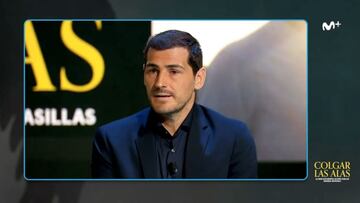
(87, 52)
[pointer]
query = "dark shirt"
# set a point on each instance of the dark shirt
(171, 149)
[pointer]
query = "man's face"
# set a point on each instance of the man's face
(169, 80)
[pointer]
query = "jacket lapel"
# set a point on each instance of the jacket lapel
(196, 145)
(146, 145)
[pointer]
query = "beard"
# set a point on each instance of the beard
(172, 107)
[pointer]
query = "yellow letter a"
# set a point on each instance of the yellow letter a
(36, 59)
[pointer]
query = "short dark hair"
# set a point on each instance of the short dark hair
(176, 38)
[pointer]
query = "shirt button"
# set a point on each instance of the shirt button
(172, 150)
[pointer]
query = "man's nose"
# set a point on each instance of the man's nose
(161, 79)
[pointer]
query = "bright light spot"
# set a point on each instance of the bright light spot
(213, 35)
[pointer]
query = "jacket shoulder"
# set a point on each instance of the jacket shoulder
(126, 124)
(227, 127)
(217, 119)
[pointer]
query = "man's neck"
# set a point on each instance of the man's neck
(172, 122)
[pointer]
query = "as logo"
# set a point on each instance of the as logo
(76, 45)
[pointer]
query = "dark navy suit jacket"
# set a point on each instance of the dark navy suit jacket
(218, 147)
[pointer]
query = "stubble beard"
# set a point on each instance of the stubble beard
(170, 112)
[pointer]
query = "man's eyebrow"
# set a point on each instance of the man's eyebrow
(151, 65)
(174, 66)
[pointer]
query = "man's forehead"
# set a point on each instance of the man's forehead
(175, 55)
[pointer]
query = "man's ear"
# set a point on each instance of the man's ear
(143, 66)
(200, 78)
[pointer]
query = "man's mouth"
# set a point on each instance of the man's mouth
(162, 95)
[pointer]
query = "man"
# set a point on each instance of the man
(175, 138)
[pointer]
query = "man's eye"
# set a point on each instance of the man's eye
(174, 71)
(152, 70)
